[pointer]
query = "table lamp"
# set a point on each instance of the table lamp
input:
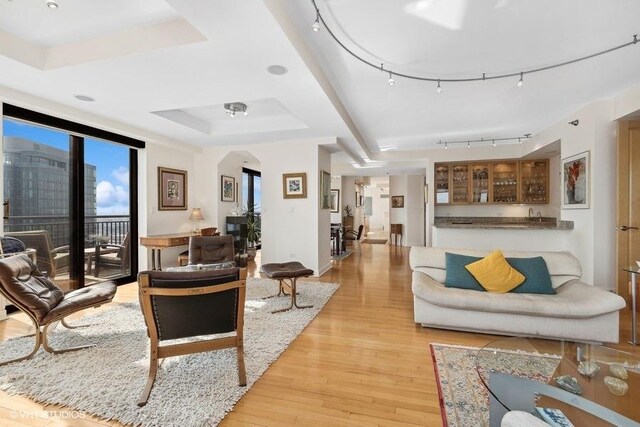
(196, 215)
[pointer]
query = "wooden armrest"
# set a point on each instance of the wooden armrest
(203, 290)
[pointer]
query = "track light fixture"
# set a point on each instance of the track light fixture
(480, 76)
(391, 81)
(574, 122)
(520, 139)
(232, 108)
(52, 4)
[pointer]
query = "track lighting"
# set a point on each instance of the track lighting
(520, 139)
(316, 25)
(438, 88)
(52, 4)
(574, 122)
(521, 81)
(391, 81)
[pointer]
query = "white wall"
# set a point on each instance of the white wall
(290, 227)
(379, 220)
(411, 216)
(350, 185)
(336, 184)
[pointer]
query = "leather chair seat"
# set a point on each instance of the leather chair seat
(75, 300)
(286, 270)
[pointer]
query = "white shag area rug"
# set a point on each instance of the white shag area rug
(191, 390)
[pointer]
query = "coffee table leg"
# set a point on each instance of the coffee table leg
(633, 309)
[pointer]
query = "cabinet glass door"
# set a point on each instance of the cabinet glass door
(460, 183)
(505, 182)
(442, 184)
(480, 183)
(535, 181)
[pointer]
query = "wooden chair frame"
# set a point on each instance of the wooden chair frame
(159, 352)
(42, 329)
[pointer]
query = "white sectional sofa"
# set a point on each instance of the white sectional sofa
(577, 311)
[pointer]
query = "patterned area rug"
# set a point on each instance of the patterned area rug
(191, 390)
(464, 400)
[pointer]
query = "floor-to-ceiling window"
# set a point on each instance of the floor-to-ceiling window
(252, 198)
(70, 196)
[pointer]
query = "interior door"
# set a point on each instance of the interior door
(628, 222)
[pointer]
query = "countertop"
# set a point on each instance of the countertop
(503, 223)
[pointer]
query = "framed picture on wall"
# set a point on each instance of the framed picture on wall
(397, 201)
(576, 176)
(294, 185)
(172, 189)
(335, 201)
(227, 188)
(325, 190)
(358, 202)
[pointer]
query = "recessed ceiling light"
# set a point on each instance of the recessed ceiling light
(277, 70)
(84, 98)
(52, 4)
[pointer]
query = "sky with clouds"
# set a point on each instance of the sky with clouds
(111, 161)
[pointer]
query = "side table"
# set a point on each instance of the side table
(633, 271)
(396, 229)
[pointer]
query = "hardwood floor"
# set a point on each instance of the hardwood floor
(361, 362)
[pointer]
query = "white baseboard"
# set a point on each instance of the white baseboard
(324, 269)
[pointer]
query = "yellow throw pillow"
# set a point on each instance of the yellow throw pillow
(495, 274)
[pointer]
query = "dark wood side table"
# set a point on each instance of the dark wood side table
(396, 229)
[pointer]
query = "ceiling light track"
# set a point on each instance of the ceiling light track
(491, 141)
(482, 77)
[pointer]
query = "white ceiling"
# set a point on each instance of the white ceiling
(169, 66)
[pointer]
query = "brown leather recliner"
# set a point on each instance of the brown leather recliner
(45, 303)
(183, 257)
(210, 249)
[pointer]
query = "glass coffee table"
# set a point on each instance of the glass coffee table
(202, 267)
(520, 373)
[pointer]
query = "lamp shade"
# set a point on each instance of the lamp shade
(196, 215)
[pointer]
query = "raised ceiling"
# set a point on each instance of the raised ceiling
(169, 66)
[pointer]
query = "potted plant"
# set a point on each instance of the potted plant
(253, 231)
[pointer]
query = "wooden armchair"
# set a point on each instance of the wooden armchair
(183, 257)
(113, 256)
(50, 261)
(190, 304)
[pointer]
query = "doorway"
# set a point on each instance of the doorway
(628, 204)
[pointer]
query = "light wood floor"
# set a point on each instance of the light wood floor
(361, 361)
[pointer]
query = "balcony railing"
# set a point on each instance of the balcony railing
(97, 228)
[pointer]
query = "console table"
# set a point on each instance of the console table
(161, 241)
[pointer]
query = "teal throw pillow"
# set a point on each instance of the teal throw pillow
(457, 275)
(538, 280)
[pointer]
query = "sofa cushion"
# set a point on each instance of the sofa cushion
(457, 275)
(562, 266)
(495, 274)
(536, 273)
(574, 299)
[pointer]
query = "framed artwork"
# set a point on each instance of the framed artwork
(325, 190)
(227, 188)
(576, 176)
(172, 189)
(397, 201)
(294, 185)
(335, 201)
(358, 200)
(426, 193)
